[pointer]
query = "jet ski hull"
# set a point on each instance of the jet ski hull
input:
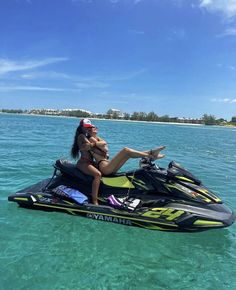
(159, 214)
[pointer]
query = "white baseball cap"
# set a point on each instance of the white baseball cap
(86, 123)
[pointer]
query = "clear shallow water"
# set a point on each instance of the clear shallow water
(42, 250)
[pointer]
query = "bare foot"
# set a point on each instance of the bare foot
(159, 156)
(155, 153)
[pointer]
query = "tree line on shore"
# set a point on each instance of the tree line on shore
(206, 119)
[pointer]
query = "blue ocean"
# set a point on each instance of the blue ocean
(50, 250)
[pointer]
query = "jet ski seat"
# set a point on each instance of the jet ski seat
(69, 168)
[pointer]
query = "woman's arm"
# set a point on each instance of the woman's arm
(98, 142)
(99, 145)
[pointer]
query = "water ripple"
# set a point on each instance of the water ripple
(41, 250)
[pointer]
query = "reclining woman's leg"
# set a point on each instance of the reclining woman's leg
(121, 157)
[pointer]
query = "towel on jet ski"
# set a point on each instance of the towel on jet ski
(74, 194)
(128, 203)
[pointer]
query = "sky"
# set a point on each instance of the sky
(174, 57)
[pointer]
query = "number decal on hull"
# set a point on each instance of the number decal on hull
(166, 213)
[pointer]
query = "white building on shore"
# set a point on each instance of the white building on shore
(116, 112)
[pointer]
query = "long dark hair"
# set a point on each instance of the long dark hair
(75, 147)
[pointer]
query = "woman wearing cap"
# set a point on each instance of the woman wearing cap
(85, 163)
(112, 166)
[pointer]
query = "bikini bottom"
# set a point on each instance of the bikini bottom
(99, 162)
(87, 160)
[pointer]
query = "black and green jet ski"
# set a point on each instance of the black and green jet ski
(169, 199)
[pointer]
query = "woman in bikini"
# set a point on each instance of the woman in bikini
(83, 147)
(112, 166)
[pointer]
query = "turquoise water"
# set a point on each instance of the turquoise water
(42, 250)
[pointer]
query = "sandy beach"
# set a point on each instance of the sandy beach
(121, 120)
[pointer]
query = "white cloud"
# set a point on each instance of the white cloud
(229, 67)
(224, 100)
(91, 84)
(7, 66)
(231, 31)
(6, 88)
(46, 75)
(227, 7)
(125, 76)
(101, 81)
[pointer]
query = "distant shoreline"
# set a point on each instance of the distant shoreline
(121, 120)
(103, 119)
(156, 122)
(148, 122)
